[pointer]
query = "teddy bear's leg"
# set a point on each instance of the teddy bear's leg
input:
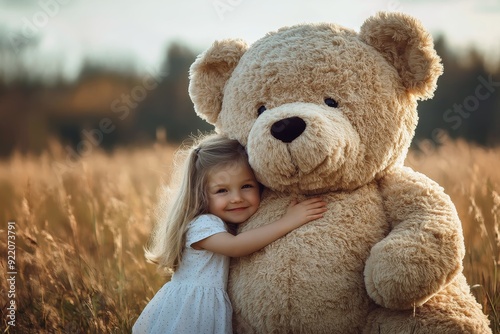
(452, 311)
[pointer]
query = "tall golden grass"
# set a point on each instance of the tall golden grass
(80, 235)
(470, 175)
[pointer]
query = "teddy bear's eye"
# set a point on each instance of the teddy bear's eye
(261, 110)
(331, 102)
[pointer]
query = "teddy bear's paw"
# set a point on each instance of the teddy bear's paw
(402, 275)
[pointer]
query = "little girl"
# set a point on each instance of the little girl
(218, 187)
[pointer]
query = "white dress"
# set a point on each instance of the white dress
(195, 300)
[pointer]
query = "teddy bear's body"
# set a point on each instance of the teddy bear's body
(292, 294)
(323, 110)
(282, 278)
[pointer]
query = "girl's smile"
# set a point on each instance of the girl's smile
(233, 193)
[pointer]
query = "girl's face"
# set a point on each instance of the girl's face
(233, 193)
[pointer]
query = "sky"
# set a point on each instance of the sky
(63, 33)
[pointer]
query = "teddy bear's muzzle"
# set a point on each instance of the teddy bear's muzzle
(288, 129)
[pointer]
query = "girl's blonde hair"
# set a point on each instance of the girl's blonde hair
(169, 235)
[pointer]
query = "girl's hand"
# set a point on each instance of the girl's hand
(299, 213)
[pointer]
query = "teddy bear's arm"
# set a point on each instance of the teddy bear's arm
(424, 249)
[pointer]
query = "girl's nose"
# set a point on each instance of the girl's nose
(236, 197)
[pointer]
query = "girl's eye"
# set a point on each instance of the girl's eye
(247, 186)
(331, 102)
(220, 191)
(261, 110)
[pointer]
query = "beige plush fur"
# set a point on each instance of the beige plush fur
(340, 113)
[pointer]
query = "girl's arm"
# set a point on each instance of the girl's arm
(250, 241)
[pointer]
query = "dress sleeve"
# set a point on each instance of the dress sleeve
(202, 227)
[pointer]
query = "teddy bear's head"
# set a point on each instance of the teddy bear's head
(319, 107)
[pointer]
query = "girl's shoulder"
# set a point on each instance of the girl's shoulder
(205, 218)
(206, 221)
(204, 226)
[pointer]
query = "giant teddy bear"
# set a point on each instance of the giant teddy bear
(324, 110)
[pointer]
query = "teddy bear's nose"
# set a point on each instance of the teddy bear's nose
(288, 129)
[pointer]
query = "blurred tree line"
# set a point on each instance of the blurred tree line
(104, 107)
(466, 103)
(107, 108)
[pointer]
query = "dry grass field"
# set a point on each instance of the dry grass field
(80, 229)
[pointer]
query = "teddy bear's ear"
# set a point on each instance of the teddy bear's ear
(210, 72)
(404, 42)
